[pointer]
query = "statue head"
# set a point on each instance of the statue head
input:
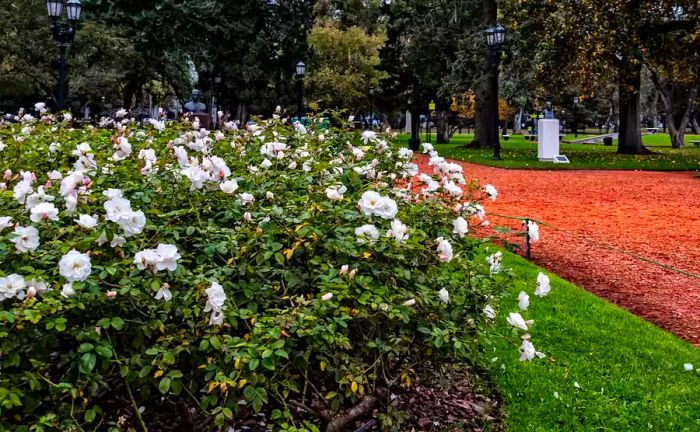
(196, 95)
(548, 104)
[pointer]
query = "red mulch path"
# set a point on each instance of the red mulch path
(655, 215)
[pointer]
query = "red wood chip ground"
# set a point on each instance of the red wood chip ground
(654, 215)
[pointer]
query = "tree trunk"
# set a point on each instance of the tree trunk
(696, 126)
(443, 127)
(486, 108)
(630, 130)
(679, 101)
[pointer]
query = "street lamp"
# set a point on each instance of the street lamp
(576, 101)
(301, 71)
(495, 38)
(63, 32)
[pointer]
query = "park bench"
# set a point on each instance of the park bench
(695, 144)
(652, 130)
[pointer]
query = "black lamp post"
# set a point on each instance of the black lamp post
(301, 71)
(495, 38)
(63, 31)
(576, 101)
(217, 82)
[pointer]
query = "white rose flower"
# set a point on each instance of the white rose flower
(44, 212)
(491, 192)
(117, 208)
(326, 296)
(123, 149)
(164, 293)
(26, 239)
(427, 147)
(215, 303)
(229, 186)
(409, 302)
(453, 189)
(12, 286)
(368, 136)
(543, 287)
(55, 175)
(444, 295)
(369, 202)
(37, 198)
(527, 350)
(113, 193)
(146, 258)
(461, 227)
(5, 221)
(533, 231)
(21, 190)
(167, 257)
(247, 198)
(366, 233)
(86, 221)
(387, 208)
(398, 231)
(132, 223)
(444, 249)
(494, 262)
(266, 164)
(335, 193)
(517, 321)
(75, 266)
(67, 290)
(523, 300)
(489, 312)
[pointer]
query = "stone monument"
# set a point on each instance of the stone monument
(194, 105)
(197, 109)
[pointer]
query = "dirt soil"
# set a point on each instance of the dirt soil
(654, 215)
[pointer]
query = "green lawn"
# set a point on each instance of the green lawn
(630, 373)
(519, 153)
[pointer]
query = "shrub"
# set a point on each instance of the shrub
(268, 269)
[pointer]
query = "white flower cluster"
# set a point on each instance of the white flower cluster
(215, 303)
(527, 349)
(373, 204)
(119, 211)
(163, 257)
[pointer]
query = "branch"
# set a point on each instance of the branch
(339, 423)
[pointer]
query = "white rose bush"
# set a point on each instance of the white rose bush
(241, 271)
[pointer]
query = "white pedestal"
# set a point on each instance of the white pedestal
(547, 139)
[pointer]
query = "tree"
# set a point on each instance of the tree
(98, 60)
(343, 65)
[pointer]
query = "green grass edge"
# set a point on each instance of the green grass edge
(630, 373)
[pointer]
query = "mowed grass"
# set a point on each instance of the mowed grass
(630, 374)
(519, 153)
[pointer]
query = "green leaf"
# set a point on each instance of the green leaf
(104, 350)
(175, 374)
(164, 385)
(268, 363)
(253, 364)
(86, 347)
(215, 342)
(87, 363)
(117, 323)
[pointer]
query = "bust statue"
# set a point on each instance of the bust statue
(548, 111)
(194, 105)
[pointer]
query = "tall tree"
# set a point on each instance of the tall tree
(343, 65)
